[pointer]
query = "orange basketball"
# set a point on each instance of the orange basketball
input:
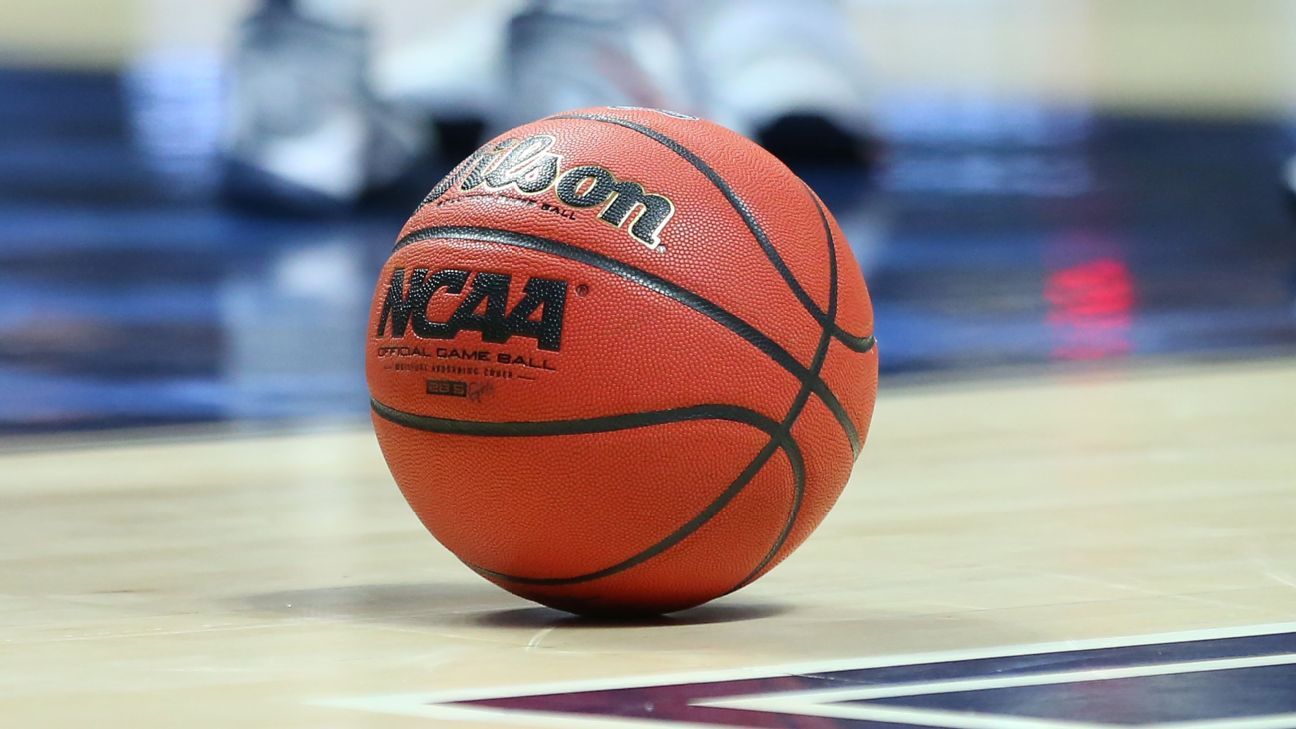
(621, 361)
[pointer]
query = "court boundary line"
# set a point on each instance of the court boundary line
(443, 704)
(828, 702)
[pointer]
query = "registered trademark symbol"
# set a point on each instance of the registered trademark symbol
(582, 289)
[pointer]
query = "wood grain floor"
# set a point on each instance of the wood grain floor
(250, 581)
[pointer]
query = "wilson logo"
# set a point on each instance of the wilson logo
(483, 307)
(529, 167)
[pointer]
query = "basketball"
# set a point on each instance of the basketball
(621, 361)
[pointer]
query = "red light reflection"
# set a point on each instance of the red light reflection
(1091, 307)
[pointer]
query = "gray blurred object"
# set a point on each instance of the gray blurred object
(1288, 181)
(566, 54)
(306, 130)
(789, 74)
(303, 129)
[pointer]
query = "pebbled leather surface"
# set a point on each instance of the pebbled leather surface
(707, 318)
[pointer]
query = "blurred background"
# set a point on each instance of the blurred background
(195, 197)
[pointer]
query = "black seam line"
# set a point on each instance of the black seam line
(852, 341)
(785, 428)
(779, 439)
(578, 426)
(654, 283)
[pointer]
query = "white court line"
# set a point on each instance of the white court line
(1277, 721)
(944, 718)
(957, 720)
(430, 704)
(497, 717)
(827, 702)
(763, 701)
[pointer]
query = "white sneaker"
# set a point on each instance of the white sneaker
(787, 74)
(303, 129)
(566, 54)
